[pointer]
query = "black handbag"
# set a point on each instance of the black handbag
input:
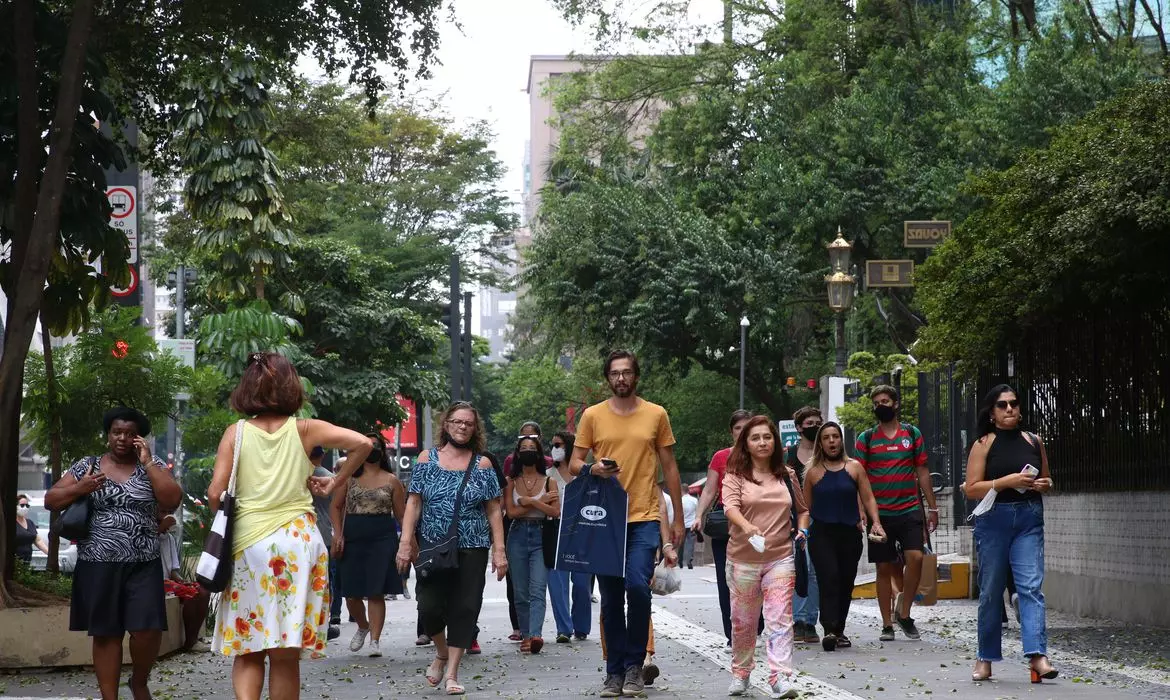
(442, 556)
(716, 526)
(73, 522)
(550, 529)
(798, 550)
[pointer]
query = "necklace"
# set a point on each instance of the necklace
(529, 484)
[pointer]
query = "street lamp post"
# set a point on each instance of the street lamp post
(743, 326)
(840, 285)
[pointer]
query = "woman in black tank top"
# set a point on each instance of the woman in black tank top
(1009, 537)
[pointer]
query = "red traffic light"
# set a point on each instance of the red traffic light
(121, 349)
(812, 384)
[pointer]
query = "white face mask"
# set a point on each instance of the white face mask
(22, 510)
(558, 454)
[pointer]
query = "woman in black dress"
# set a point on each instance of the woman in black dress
(366, 511)
(118, 582)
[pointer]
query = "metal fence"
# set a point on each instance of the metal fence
(1098, 392)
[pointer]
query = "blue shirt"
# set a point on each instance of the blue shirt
(438, 487)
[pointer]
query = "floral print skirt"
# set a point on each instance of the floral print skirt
(278, 597)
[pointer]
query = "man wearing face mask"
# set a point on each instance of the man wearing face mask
(894, 457)
(806, 610)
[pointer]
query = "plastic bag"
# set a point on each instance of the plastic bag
(665, 580)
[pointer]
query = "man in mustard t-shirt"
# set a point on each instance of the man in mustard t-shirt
(629, 437)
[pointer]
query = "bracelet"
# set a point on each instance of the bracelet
(932, 510)
(585, 468)
(668, 544)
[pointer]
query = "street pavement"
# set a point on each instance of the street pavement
(1098, 660)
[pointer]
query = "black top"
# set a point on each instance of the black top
(796, 464)
(1008, 454)
(25, 538)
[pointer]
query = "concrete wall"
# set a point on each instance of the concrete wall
(40, 637)
(1108, 555)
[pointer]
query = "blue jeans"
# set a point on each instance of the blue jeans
(627, 632)
(807, 610)
(1010, 537)
(580, 618)
(529, 575)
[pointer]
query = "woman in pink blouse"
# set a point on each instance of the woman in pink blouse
(759, 497)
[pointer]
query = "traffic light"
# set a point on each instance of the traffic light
(121, 349)
(791, 382)
(812, 384)
(450, 316)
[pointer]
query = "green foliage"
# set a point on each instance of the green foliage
(1075, 228)
(60, 585)
(227, 339)
(91, 379)
(748, 155)
(233, 183)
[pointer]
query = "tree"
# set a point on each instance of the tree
(114, 362)
(131, 55)
(677, 176)
(1045, 247)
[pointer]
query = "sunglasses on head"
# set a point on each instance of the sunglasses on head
(527, 437)
(1002, 405)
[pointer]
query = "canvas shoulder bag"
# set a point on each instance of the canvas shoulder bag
(442, 556)
(214, 570)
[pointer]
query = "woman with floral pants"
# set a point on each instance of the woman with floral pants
(759, 499)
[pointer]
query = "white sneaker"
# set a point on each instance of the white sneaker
(739, 686)
(375, 650)
(359, 639)
(406, 595)
(784, 688)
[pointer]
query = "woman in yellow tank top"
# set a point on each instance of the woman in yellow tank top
(277, 605)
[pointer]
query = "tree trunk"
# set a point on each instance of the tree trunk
(27, 294)
(52, 564)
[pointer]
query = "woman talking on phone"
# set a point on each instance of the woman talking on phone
(1010, 536)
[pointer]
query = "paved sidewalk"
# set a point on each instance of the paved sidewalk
(1098, 660)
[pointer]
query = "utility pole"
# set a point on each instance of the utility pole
(467, 346)
(453, 332)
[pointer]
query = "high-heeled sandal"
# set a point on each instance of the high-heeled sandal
(976, 676)
(434, 681)
(454, 688)
(1042, 673)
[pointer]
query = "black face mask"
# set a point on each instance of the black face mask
(884, 413)
(528, 458)
(456, 443)
(810, 433)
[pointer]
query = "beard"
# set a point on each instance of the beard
(624, 390)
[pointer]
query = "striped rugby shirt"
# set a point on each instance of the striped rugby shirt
(891, 464)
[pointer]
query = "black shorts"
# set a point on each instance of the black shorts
(112, 598)
(904, 531)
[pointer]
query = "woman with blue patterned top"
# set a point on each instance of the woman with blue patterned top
(449, 603)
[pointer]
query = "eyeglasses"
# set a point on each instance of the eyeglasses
(1002, 405)
(622, 374)
(460, 423)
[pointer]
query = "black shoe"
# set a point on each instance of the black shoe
(333, 633)
(887, 634)
(580, 637)
(335, 620)
(634, 685)
(829, 642)
(612, 687)
(650, 672)
(907, 625)
(843, 642)
(562, 639)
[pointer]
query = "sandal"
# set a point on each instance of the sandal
(434, 681)
(454, 688)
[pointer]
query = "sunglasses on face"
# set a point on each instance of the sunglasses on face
(1002, 405)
